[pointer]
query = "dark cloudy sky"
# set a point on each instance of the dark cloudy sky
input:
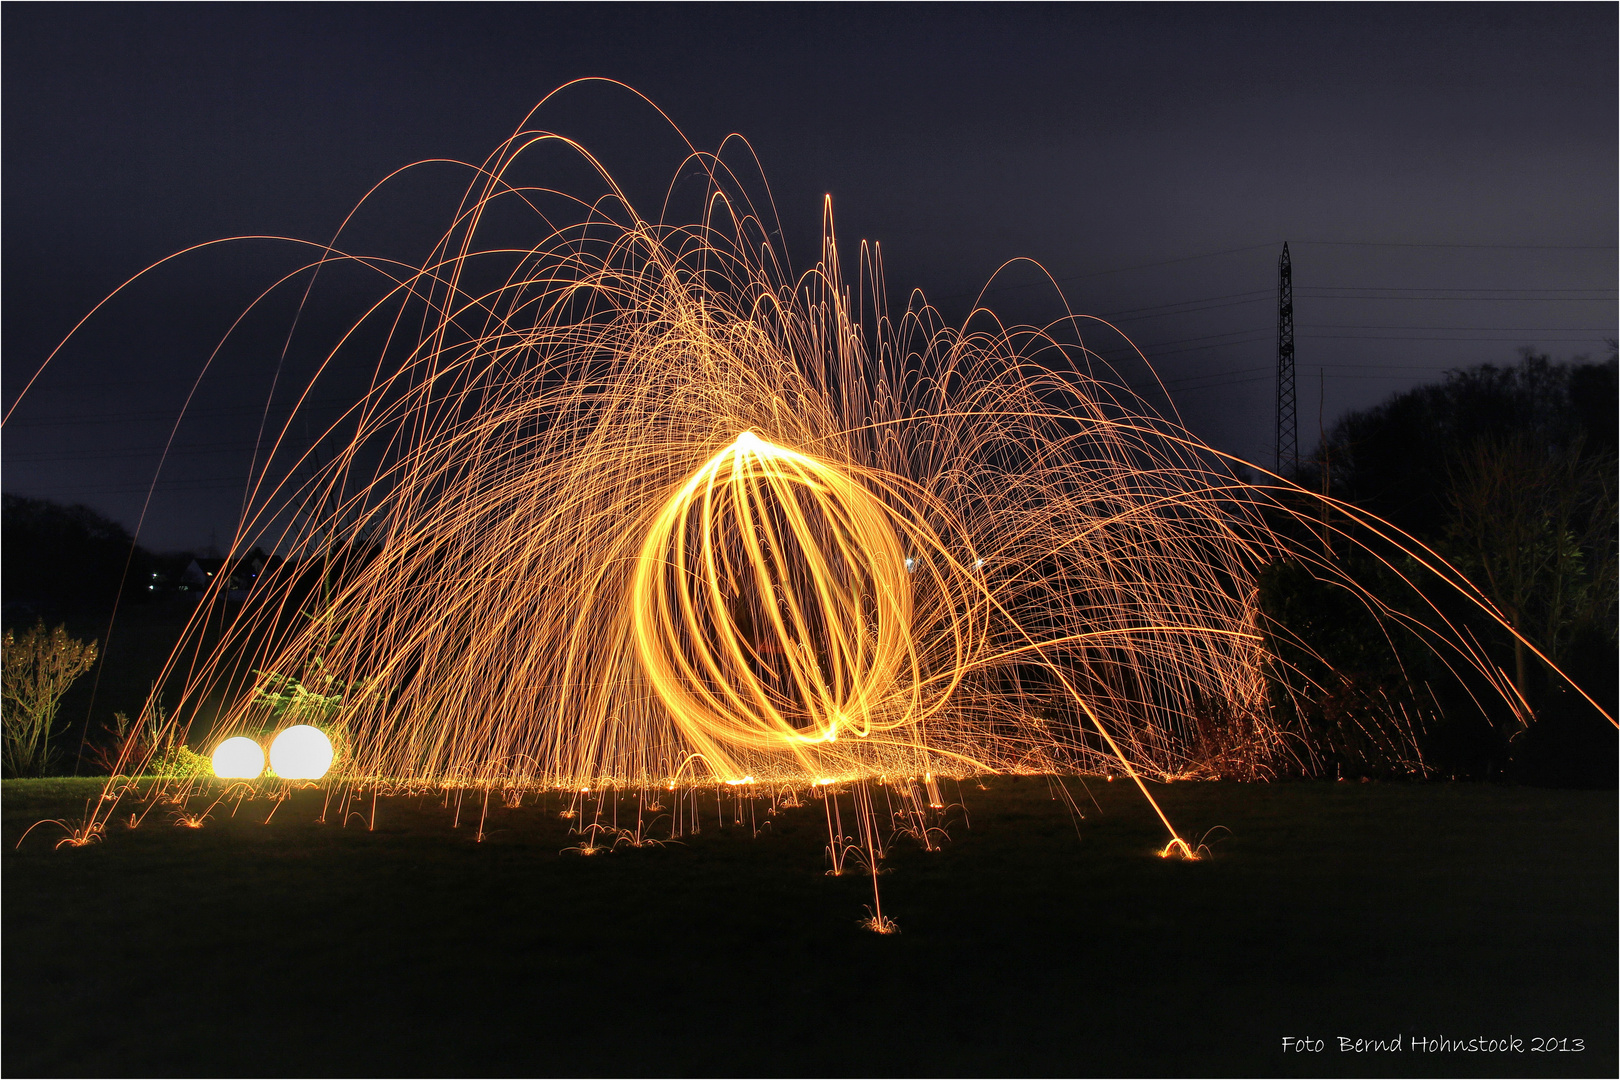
(1445, 176)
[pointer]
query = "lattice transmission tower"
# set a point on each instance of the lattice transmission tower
(1287, 421)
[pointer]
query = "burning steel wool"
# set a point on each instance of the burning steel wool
(630, 506)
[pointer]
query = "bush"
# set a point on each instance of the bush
(38, 668)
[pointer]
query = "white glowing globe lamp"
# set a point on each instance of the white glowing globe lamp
(301, 753)
(238, 758)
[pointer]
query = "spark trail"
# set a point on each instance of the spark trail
(628, 503)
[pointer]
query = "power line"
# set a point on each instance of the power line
(1468, 299)
(1199, 337)
(1503, 329)
(1438, 337)
(1103, 273)
(1403, 290)
(1502, 247)
(1186, 307)
(1153, 353)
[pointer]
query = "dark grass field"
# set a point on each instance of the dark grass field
(1356, 910)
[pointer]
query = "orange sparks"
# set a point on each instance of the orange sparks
(630, 505)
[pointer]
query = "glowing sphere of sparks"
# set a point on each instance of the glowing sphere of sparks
(238, 758)
(770, 610)
(301, 752)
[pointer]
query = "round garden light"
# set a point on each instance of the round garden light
(238, 758)
(301, 753)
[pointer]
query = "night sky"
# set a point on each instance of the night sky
(1445, 177)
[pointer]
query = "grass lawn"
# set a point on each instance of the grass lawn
(1357, 910)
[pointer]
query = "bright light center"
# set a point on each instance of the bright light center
(301, 752)
(749, 441)
(238, 758)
